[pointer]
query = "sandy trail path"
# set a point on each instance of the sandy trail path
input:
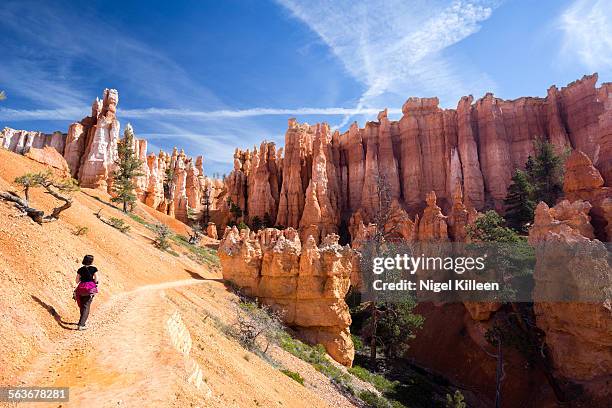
(125, 357)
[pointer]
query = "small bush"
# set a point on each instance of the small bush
(376, 401)
(317, 357)
(140, 220)
(357, 343)
(163, 234)
(378, 381)
(295, 376)
(456, 400)
(119, 224)
(199, 254)
(80, 230)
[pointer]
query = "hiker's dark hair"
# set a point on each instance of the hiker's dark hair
(88, 260)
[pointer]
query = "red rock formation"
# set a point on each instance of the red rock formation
(582, 181)
(452, 343)
(75, 146)
(476, 146)
(263, 183)
(307, 283)
(48, 156)
(577, 331)
(296, 173)
(320, 216)
(399, 224)
(90, 151)
(211, 231)
(432, 225)
(580, 176)
(460, 217)
(602, 157)
(154, 195)
(97, 160)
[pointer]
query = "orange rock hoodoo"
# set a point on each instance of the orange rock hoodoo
(307, 283)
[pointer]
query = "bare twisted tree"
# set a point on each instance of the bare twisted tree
(59, 189)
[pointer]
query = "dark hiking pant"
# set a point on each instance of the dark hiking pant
(84, 307)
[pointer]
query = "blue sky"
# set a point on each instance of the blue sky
(211, 76)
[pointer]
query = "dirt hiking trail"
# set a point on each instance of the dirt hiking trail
(124, 357)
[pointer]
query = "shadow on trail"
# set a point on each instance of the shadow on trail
(63, 324)
(197, 276)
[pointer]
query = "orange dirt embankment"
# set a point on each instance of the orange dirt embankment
(149, 340)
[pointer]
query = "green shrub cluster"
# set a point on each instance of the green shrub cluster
(295, 376)
(119, 224)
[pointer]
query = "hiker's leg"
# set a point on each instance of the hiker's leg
(85, 304)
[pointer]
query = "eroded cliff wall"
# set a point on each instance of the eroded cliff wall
(325, 177)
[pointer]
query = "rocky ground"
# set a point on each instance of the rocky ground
(154, 337)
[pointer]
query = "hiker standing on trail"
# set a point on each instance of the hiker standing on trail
(87, 286)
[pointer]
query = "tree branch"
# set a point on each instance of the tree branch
(57, 210)
(38, 215)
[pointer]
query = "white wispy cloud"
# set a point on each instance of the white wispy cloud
(396, 47)
(148, 113)
(43, 64)
(251, 112)
(71, 114)
(587, 33)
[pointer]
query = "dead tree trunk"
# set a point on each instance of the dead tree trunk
(35, 214)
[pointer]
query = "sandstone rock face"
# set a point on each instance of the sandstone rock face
(602, 159)
(21, 141)
(263, 183)
(565, 219)
(297, 166)
(97, 161)
(155, 184)
(475, 148)
(583, 181)
(75, 145)
(432, 226)
(580, 174)
(399, 225)
(460, 217)
(211, 231)
(48, 156)
(577, 332)
(307, 283)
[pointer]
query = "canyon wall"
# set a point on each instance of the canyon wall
(323, 178)
(305, 282)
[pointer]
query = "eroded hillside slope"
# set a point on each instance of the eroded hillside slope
(152, 337)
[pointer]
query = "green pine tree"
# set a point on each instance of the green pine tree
(128, 167)
(545, 172)
(519, 205)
